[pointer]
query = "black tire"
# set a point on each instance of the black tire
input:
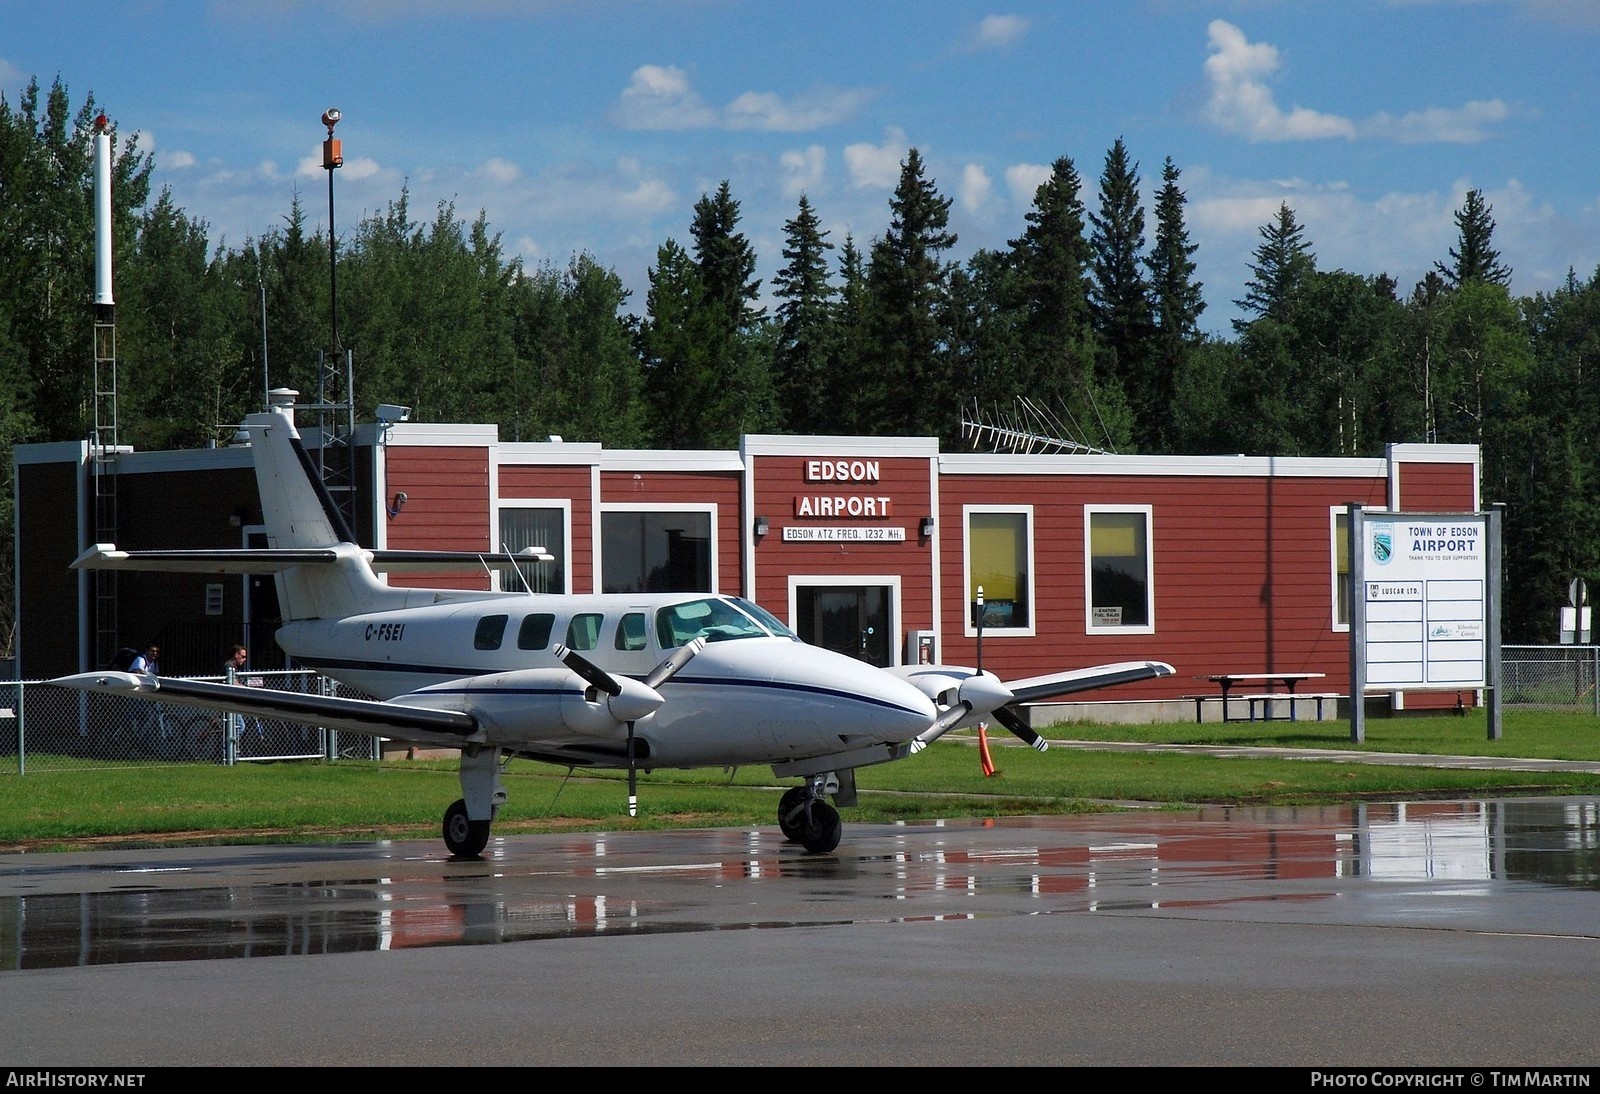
(792, 813)
(823, 828)
(463, 836)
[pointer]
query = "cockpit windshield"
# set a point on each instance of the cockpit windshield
(718, 619)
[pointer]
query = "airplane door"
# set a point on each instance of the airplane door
(854, 620)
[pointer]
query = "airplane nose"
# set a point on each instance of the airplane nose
(891, 708)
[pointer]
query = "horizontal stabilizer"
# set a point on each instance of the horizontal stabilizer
(366, 716)
(271, 560)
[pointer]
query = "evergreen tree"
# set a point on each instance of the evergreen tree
(1120, 296)
(806, 321)
(677, 341)
(1052, 259)
(1473, 259)
(725, 258)
(907, 281)
(293, 266)
(739, 353)
(1280, 265)
(178, 334)
(1178, 303)
(845, 409)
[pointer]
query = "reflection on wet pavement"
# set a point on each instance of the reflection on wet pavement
(1489, 865)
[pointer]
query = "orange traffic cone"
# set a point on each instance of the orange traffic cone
(983, 749)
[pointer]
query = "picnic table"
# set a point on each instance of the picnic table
(1262, 700)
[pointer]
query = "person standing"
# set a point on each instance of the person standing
(234, 669)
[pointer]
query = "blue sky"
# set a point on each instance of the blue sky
(594, 126)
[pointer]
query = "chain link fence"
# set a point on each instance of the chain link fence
(1553, 677)
(47, 728)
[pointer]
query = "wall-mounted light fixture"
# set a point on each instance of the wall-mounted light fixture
(399, 503)
(762, 527)
(927, 527)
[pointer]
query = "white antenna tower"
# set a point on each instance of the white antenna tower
(1028, 428)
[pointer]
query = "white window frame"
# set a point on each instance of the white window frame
(1089, 513)
(565, 505)
(709, 508)
(967, 591)
(1337, 513)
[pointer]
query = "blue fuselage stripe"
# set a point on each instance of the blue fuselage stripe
(333, 666)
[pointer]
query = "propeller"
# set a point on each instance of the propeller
(636, 699)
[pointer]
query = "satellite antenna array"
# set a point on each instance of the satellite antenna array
(1028, 428)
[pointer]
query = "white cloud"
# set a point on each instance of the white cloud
(995, 32)
(1024, 180)
(499, 170)
(769, 112)
(179, 159)
(1242, 103)
(660, 97)
(877, 164)
(802, 169)
(361, 167)
(975, 187)
(1462, 125)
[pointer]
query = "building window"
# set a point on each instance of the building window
(656, 550)
(1341, 568)
(536, 524)
(1000, 562)
(1121, 594)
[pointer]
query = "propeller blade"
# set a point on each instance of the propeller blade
(591, 673)
(675, 662)
(941, 725)
(1017, 725)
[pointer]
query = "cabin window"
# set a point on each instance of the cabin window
(491, 630)
(583, 633)
(1000, 562)
(534, 634)
(656, 551)
(1340, 552)
(1121, 573)
(630, 632)
(542, 525)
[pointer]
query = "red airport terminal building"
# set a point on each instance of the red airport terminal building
(876, 546)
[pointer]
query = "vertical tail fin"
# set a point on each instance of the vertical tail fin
(299, 512)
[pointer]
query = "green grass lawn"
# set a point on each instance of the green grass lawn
(298, 801)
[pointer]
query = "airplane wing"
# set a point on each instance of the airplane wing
(1035, 688)
(367, 716)
(966, 696)
(246, 560)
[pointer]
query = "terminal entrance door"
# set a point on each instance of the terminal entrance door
(855, 620)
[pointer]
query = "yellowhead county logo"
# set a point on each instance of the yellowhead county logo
(1382, 544)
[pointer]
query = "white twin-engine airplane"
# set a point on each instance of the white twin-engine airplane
(623, 681)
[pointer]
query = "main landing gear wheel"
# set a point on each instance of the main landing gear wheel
(809, 820)
(465, 837)
(822, 827)
(792, 813)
